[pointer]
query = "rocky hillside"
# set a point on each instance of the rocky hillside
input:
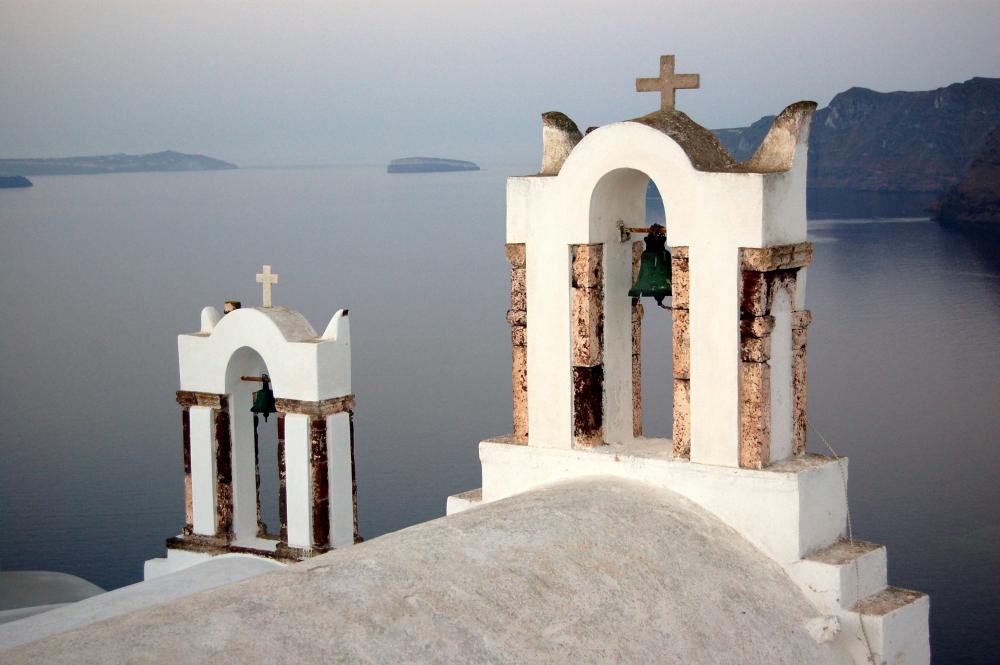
(891, 141)
(977, 197)
(167, 160)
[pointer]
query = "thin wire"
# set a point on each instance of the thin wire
(850, 539)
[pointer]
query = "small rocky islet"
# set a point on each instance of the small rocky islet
(429, 165)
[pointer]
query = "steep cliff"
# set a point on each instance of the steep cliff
(977, 197)
(891, 141)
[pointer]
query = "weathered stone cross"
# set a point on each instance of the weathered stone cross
(266, 279)
(668, 84)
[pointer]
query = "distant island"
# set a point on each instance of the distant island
(429, 165)
(167, 160)
(12, 181)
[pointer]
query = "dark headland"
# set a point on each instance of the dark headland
(11, 181)
(873, 147)
(167, 160)
(429, 165)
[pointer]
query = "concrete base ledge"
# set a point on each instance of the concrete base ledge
(788, 510)
(837, 577)
(461, 502)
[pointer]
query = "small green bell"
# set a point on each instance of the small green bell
(263, 399)
(654, 268)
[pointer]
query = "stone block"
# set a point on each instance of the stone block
(587, 266)
(680, 276)
(780, 257)
(636, 395)
(588, 405)
(755, 415)
(518, 289)
(801, 319)
(755, 349)
(637, 248)
(682, 418)
(588, 323)
(754, 299)
(798, 338)
(516, 254)
(519, 383)
(682, 344)
(519, 335)
(638, 311)
(679, 252)
(756, 326)
(517, 317)
(800, 400)
(636, 337)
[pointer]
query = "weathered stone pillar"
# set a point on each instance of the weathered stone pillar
(763, 273)
(637, 314)
(680, 287)
(517, 316)
(316, 469)
(800, 322)
(587, 352)
(208, 499)
(282, 495)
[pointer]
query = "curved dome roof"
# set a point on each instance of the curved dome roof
(598, 570)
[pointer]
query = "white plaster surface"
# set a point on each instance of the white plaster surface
(787, 510)
(174, 561)
(219, 571)
(203, 476)
(302, 365)
(599, 571)
(338, 442)
(297, 480)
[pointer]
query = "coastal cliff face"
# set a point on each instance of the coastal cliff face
(890, 141)
(977, 197)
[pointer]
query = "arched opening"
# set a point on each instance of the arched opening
(255, 456)
(637, 340)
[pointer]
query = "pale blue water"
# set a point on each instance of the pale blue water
(98, 274)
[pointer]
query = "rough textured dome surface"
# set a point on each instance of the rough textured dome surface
(591, 571)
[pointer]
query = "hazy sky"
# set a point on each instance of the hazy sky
(361, 82)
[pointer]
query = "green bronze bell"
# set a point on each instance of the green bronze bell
(263, 399)
(654, 268)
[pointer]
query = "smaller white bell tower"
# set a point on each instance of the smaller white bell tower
(310, 375)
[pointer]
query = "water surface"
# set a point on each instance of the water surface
(98, 274)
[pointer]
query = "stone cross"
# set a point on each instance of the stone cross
(266, 279)
(668, 83)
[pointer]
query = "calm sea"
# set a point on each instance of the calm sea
(98, 274)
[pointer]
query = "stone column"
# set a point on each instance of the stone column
(517, 317)
(637, 314)
(680, 286)
(208, 477)
(316, 469)
(800, 322)
(763, 272)
(587, 353)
